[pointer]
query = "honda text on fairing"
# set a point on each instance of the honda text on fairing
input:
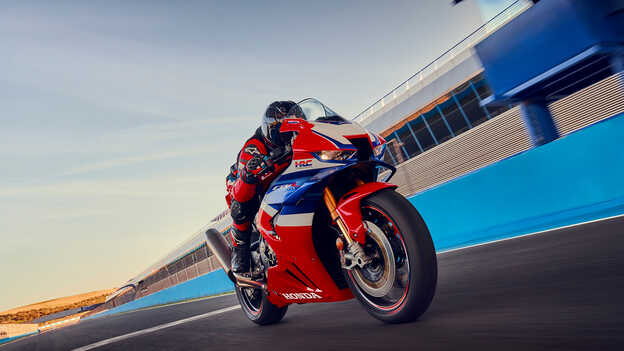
(330, 228)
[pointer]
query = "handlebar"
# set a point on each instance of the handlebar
(280, 154)
(276, 156)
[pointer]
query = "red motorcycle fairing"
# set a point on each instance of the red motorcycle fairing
(348, 208)
(300, 276)
(287, 283)
(308, 140)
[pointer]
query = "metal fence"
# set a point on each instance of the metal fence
(453, 114)
(442, 64)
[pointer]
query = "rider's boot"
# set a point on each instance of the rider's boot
(241, 256)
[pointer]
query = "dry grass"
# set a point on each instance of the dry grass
(40, 309)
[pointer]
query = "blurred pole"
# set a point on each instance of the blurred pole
(539, 122)
(617, 66)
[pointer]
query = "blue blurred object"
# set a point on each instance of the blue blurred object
(538, 52)
(539, 122)
(553, 49)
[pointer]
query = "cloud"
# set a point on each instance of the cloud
(171, 186)
(66, 214)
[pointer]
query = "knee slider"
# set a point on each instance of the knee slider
(242, 212)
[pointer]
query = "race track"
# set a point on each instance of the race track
(560, 290)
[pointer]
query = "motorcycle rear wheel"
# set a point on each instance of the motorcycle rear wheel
(398, 286)
(257, 306)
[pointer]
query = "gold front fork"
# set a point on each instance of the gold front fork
(354, 254)
(330, 202)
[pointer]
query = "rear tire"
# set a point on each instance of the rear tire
(257, 306)
(408, 291)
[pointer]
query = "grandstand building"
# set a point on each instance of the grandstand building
(438, 127)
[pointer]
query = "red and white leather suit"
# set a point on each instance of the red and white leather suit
(244, 187)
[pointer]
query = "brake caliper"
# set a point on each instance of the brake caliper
(354, 256)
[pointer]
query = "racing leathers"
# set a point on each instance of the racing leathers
(246, 184)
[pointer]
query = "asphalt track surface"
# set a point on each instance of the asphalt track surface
(560, 290)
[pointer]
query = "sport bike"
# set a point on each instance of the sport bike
(331, 228)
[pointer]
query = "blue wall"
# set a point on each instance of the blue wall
(576, 178)
(212, 283)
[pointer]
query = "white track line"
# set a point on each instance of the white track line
(530, 234)
(156, 328)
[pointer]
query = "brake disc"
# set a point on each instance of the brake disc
(381, 286)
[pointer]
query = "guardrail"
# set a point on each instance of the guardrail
(9, 332)
(430, 72)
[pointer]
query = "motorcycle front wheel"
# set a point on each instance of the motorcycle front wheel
(399, 283)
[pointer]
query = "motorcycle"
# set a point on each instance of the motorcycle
(330, 228)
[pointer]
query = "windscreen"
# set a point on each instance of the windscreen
(314, 110)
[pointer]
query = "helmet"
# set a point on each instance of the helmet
(272, 121)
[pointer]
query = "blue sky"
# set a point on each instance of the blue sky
(121, 118)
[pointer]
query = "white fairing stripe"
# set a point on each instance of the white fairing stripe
(337, 132)
(295, 220)
(268, 209)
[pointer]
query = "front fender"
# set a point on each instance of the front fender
(348, 208)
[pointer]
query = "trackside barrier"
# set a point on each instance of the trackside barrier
(59, 323)
(5, 340)
(573, 179)
(212, 283)
(10, 332)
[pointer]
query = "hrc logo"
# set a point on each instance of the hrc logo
(303, 163)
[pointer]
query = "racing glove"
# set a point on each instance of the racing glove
(255, 168)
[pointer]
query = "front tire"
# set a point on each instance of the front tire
(399, 285)
(257, 306)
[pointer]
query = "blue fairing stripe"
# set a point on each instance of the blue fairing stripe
(336, 142)
(275, 206)
(296, 175)
(304, 207)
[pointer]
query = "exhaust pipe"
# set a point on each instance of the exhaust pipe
(218, 245)
(249, 283)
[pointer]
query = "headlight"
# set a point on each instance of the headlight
(379, 150)
(335, 155)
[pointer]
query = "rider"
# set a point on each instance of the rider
(249, 178)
